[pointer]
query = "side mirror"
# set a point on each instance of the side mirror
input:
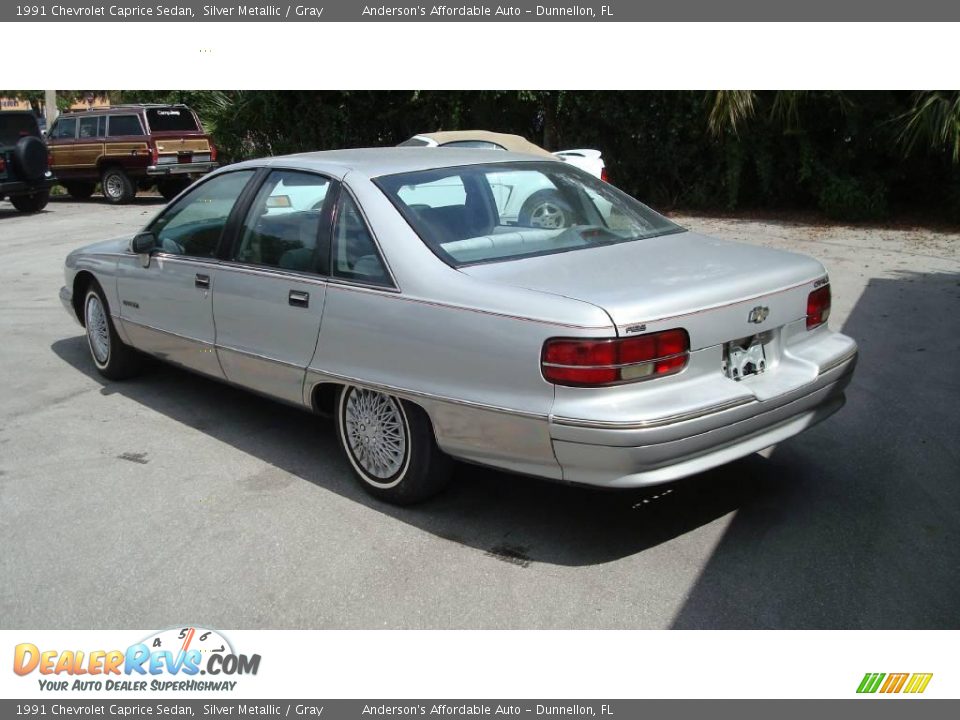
(144, 244)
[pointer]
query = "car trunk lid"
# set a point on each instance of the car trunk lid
(708, 286)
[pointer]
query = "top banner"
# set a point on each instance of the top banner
(518, 11)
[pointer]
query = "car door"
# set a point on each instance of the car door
(88, 148)
(61, 142)
(166, 308)
(271, 290)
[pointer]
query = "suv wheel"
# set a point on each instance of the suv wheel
(116, 186)
(34, 202)
(80, 190)
(169, 189)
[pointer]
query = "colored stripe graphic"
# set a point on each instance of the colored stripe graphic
(894, 682)
(870, 682)
(918, 682)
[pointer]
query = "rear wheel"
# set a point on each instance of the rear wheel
(80, 190)
(113, 359)
(169, 189)
(391, 446)
(116, 186)
(35, 202)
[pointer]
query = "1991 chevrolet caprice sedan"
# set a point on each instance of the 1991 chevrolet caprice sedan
(577, 336)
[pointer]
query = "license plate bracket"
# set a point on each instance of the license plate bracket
(744, 357)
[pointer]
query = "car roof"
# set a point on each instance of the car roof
(376, 162)
(514, 143)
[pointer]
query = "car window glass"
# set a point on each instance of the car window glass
(171, 118)
(91, 127)
(66, 128)
(194, 224)
(537, 208)
(283, 226)
(124, 125)
(355, 255)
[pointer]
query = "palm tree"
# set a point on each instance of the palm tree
(933, 122)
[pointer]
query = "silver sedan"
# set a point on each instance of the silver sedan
(425, 299)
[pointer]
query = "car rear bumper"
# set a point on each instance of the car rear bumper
(622, 456)
(200, 168)
(19, 187)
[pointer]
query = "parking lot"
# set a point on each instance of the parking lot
(174, 499)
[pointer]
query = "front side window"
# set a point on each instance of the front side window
(124, 125)
(66, 128)
(91, 127)
(283, 226)
(194, 224)
(355, 254)
(502, 211)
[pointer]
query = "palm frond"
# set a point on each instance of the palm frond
(933, 123)
(730, 109)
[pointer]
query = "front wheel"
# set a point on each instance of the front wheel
(31, 203)
(391, 446)
(113, 359)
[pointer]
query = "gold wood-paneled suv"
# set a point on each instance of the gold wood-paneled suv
(129, 147)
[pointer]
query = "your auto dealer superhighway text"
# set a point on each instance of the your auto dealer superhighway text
(161, 11)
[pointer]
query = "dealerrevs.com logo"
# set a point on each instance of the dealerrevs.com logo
(910, 683)
(173, 659)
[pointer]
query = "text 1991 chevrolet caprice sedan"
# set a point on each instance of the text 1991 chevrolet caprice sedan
(408, 292)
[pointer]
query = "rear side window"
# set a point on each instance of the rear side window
(65, 128)
(120, 125)
(284, 224)
(92, 127)
(14, 126)
(355, 254)
(478, 144)
(171, 119)
(413, 142)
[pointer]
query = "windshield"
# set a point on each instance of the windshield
(502, 211)
(171, 118)
(14, 126)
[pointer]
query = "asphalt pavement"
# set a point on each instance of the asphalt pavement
(171, 499)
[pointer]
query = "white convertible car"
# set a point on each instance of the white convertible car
(614, 349)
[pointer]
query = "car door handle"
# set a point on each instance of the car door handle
(299, 299)
(202, 281)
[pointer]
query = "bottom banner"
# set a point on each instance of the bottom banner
(337, 709)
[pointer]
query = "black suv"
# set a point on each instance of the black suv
(25, 175)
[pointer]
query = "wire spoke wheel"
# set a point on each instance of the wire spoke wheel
(98, 331)
(376, 431)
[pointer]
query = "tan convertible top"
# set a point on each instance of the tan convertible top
(513, 143)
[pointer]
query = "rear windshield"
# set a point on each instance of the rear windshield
(14, 126)
(503, 211)
(171, 118)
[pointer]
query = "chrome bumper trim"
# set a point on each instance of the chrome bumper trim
(182, 168)
(656, 422)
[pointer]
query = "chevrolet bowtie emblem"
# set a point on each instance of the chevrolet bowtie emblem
(758, 314)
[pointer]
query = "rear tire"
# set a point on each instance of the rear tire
(117, 187)
(32, 203)
(169, 189)
(112, 358)
(391, 446)
(80, 190)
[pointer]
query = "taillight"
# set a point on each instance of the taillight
(3, 164)
(591, 363)
(154, 155)
(818, 307)
(604, 175)
(213, 152)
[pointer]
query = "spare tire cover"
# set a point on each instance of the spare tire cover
(30, 158)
